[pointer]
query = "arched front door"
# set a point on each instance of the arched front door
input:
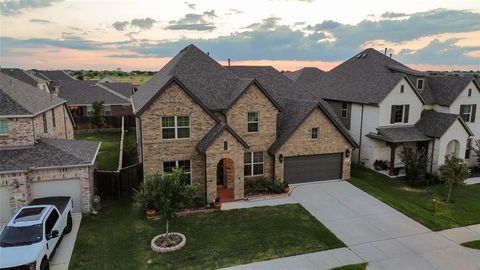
(225, 179)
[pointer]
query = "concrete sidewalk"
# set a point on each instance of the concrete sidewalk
(472, 181)
(61, 260)
(374, 232)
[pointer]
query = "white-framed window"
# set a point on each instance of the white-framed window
(467, 112)
(54, 122)
(252, 122)
(402, 88)
(44, 120)
(253, 164)
(175, 127)
(3, 126)
(420, 83)
(107, 110)
(399, 114)
(468, 149)
(469, 92)
(315, 133)
(185, 165)
(344, 110)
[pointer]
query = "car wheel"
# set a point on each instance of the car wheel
(45, 265)
(68, 228)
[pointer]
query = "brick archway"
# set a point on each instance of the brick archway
(225, 179)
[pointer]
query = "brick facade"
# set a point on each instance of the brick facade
(300, 143)
(253, 100)
(174, 101)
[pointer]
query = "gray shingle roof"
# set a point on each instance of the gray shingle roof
(124, 89)
(87, 92)
(203, 144)
(54, 75)
(23, 99)
(22, 75)
(212, 84)
(296, 102)
(446, 89)
(364, 78)
(435, 124)
(402, 134)
(305, 75)
(49, 153)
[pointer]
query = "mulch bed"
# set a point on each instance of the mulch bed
(173, 240)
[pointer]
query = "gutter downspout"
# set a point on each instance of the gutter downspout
(360, 138)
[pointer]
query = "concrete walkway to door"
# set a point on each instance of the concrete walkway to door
(373, 231)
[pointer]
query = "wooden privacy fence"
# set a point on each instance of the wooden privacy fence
(85, 122)
(114, 185)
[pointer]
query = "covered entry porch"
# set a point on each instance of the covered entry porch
(396, 139)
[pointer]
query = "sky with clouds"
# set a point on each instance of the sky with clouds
(288, 34)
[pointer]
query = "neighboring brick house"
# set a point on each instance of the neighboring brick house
(388, 106)
(225, 125)
(38, 156)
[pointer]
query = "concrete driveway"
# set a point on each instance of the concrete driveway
(61, 260)
(377, 233)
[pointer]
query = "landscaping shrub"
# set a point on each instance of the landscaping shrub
(263, 185)
(416, 163)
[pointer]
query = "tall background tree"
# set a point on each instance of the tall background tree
(454, 172)
(98, 120)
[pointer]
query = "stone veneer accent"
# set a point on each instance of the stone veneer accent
(300, 143)
(21, 196)
(174, 101)
(253, 100)
(216, 153)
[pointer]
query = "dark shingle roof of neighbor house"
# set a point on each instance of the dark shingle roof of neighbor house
(124, 89)
(305, 75)
(213, 85)
(19, 98)
(446, 89)
(435, 124)
(22, 75)
(366, 78)
(49, 153)
(203, 144)
(297, 102)
(53, 75)
(87, 92)
(400, 134)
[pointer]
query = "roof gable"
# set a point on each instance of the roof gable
(446, 89)
(209, 138)
(260, 87)
(435, 124)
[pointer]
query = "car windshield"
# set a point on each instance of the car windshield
(20, 236)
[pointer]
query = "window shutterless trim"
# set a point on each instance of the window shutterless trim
(253, 163)
(176, 166)
(253, 122)
(176, 127)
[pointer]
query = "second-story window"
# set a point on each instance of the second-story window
(399, 114)
(175, 127)
(54, 122)
(420, 84)
(402, 88)
(344, 110)
(44, 120)
(467, 112)
(468, 148)
(252, 122)
(469, 92)
(3, 126)
(314, 133)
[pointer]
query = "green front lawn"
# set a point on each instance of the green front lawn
(358, 266)
(417, 203)
(472, 244)
(109, 150)
(119, 238)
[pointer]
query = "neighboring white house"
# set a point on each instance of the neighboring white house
(388, 106)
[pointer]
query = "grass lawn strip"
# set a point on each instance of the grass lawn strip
(417, 203)
(119, 238)
(472, 244)
(109, 150)
(358, 266)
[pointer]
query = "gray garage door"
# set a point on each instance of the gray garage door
(59, 188)
(301, 169)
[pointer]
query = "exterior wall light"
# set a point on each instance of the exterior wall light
(15, 184)
(347, 153)
(280, 158)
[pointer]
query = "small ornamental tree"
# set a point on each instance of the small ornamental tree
(98, 120)
(477, 151)
(454, 172)
(416, 163)
(172, 195)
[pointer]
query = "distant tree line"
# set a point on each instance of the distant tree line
(90, 74)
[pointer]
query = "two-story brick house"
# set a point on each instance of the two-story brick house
(388, 106)
(38, 156)
(225, 125)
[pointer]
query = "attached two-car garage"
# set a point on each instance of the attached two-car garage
(302, 169)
